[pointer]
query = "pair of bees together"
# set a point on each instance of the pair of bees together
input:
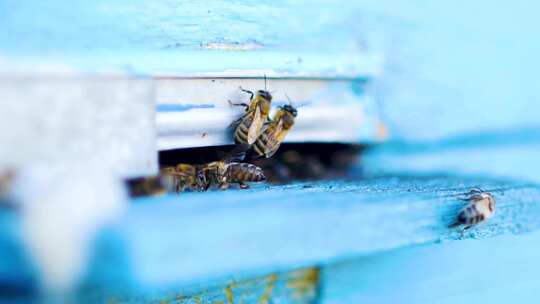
(202, 177)
(481, 207)
(254, 132)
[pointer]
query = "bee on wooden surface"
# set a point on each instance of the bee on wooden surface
(223, 173)
(146, 186)
(481, 207)
(249, 126)
(181, 177)
(274, 132)
(6, 180)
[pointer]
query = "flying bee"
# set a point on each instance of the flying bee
(181, 177)
(274, 132)
(249, 126)
(223, 173)
(481, 207)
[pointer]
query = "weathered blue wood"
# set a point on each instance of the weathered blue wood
(166, 24)
(469, 76)
(164, 243)
(510, 153)
(179, 37)
(498, 270)
(455, 67)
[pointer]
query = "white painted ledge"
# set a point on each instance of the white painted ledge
(194, 112)
(105, 119)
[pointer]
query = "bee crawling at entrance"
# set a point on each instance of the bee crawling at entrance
(481, 207)
(181, 177)
(249, 126)
(223, 173)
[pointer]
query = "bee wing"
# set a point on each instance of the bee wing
(256, 126)
(275, 140)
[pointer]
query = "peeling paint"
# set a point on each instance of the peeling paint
(229, 294)
(171, 107)
(249, 46)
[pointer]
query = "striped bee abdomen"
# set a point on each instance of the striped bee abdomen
(470, 216)
(260, 146)
(243, 172)
(241, 132)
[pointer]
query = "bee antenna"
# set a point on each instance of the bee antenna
(476, 190)
(265, 82)
(290, 102)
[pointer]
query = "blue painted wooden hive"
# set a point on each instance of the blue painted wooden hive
(92, 94)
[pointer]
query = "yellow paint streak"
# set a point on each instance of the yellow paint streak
(299, 285)
(270, 284)
(303, 282)
(180, 297)
(229, 294)
(112, 301)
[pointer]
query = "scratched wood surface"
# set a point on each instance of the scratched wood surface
(175, 242)
(178, 37)
(295, 287)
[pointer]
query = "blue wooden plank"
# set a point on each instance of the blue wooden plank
(171, 37)
(183, 243)
(509, 153)
(215, 236)
(499, 270)
(143, 25)
(456, 67)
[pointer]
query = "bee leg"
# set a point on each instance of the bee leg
(176, 186)
(180, 188)
(243, 185)
(235, 123)
(246, 91)
(238, 104)
(462, 234)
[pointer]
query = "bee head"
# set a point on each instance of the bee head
(290, 109)
(491, 201)
(265, 94)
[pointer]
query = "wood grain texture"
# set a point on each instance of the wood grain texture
(273, 228)
(294, 287)
(178, 37)
(163, 244)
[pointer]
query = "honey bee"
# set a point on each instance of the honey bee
(274, 132)
(181, 177)
(146, 186)
(481, 207)
(224, 173)
(6, 180)
(249, 126)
